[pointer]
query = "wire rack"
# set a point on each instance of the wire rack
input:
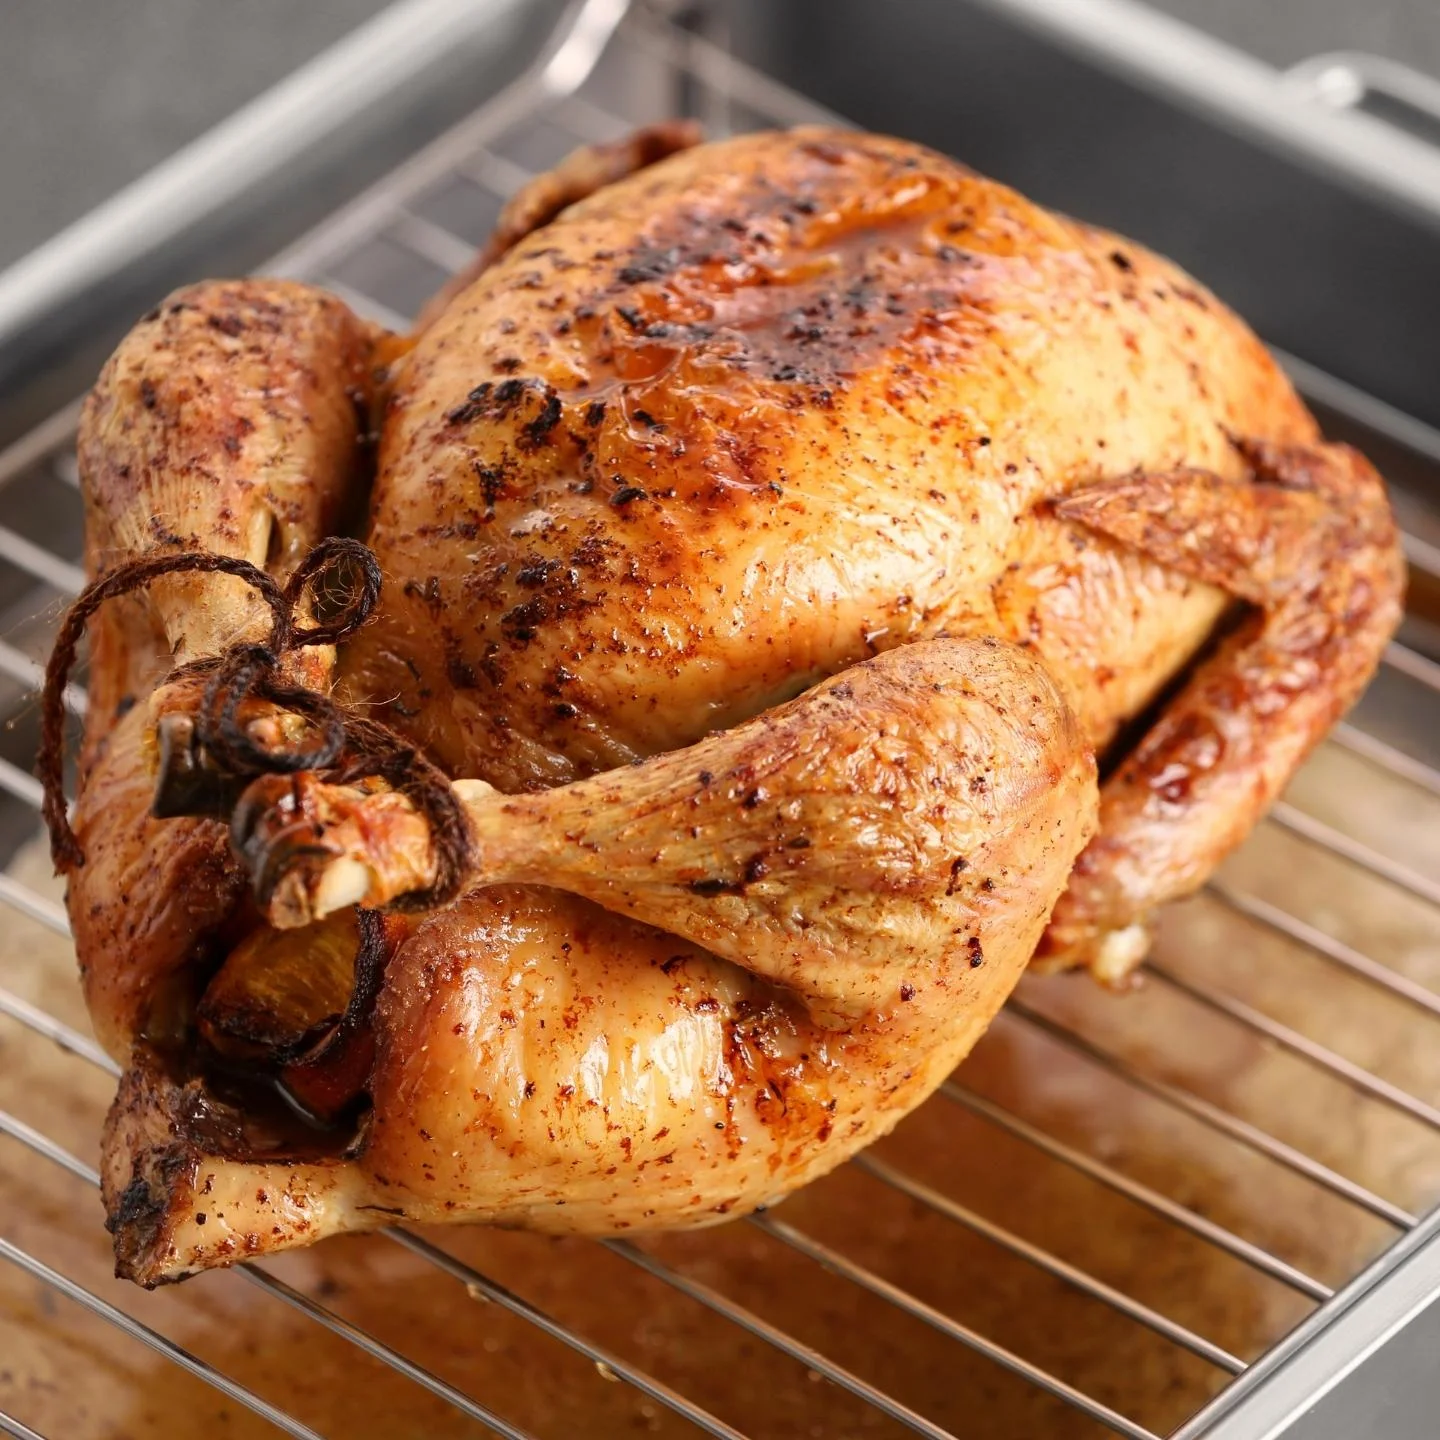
(1105, 1216)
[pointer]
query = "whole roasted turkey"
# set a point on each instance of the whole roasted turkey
(763, 542)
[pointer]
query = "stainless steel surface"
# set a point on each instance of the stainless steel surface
(1135, 138)
(384, 252)
(93, 96)
(87, 1300)
(316, 100)
(1290, 1386)
(1044, 1260)
(9, 1425)
(857, 1274)
(1244, 94)
(1346, 80)
(1218, 1119)
(1185, 1219)
(1284, 31)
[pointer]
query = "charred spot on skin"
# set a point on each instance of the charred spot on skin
(626, 495)
(713, 887)
(534, 574)
(149, 398)
(649, 264)
(492, 486)
(1122, 262)
(907, 993)
(958, 866)
(975, 952)
(489, 401)
(473, 406)
(136, 1203)
(537, 431)
(461, 673)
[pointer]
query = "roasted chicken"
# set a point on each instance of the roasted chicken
(760, 546)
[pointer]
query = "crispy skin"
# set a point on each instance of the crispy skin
(152, 894)
(836, 845)
(1310, 541)
(545, 1062)
(228, 420)
(738, 421)
(756, 414)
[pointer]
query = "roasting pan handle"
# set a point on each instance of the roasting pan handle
(1345, 79)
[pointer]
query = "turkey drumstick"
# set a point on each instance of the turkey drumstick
(838, 845)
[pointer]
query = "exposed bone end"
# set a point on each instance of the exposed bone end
(182, 1195)
(313, 848)
(343, 883)
(188, 782)
(473, 792)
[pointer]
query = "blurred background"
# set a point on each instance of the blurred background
(93, 95)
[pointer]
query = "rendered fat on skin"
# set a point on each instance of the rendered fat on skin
(803, 488)
(546, 1062)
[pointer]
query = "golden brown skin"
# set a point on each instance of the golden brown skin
(757, 412)
(228, 420)
(861, 406)
(543, 1061)
(765, 412)
(1310, 543)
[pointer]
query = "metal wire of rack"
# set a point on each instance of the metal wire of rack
(383, 254)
